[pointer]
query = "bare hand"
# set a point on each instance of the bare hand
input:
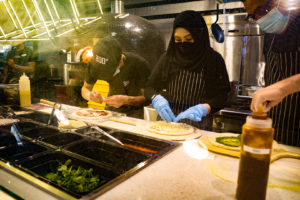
(96, 97)
(116, 100)
(267, 98)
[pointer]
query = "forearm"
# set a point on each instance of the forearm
(25, 68)
(289, 85)
(29, 68)
(137, 101)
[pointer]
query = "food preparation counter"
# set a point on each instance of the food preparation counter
(188, 172)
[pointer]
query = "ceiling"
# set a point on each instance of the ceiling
(44, 19)
(47, 19)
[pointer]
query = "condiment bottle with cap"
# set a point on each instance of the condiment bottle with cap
(24, 89)
(256, 149)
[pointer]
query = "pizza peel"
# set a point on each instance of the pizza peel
(277, 151)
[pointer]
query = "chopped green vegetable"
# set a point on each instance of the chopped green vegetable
(230, 141)
(76, 179)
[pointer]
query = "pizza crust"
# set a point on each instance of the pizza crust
(170, 129)
(91, 114)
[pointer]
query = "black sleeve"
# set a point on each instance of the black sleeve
(91, 75)
(31, 57)
(10, 55)
(218, 86)
(154, 84)
(143, 73)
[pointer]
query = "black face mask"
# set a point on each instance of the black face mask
(185, 49)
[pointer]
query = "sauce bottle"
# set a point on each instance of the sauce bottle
(24, 88)
(256, 148)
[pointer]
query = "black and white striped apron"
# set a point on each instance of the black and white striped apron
(286, 115)
(187, 89)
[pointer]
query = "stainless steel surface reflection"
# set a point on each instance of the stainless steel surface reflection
(242, 49)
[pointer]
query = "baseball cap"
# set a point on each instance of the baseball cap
(106, 57)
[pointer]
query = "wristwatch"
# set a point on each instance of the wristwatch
(16, 66)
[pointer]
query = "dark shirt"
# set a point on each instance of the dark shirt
(187, 88)
(129, 81)
(216, 78)
(20, 57)
(282, 53)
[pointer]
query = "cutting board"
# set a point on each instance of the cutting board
(277, 151)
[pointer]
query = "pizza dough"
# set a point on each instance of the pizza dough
(171, 129)
(90, 114)
(72, 124)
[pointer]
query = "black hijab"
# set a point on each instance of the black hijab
(198, 54)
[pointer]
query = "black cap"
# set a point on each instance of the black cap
(107, 52)
(106, 57)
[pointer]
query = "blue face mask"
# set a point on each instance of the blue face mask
(273, 22)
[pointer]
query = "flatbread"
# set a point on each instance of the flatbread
(212, 140)
(91, 114)
(73, 124)
(171, 129)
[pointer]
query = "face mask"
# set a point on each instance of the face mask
(273, 22)
(185, 48)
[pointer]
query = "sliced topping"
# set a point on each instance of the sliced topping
(230, 141)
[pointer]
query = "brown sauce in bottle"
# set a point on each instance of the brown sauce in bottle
(255, 158)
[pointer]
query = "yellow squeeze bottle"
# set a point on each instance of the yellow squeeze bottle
(24, 89)
(103, 88)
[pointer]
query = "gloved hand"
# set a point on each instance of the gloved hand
(162, 107)
(194, 113)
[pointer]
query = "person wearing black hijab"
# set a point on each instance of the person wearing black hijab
(190, 79)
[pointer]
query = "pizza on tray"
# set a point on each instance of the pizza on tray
(91, 114)
(171, 129)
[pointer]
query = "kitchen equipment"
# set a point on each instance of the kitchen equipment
(16, 133)
(216, 30)
(10, 94)
(25, 93)
(44, 147)
(107, 135)
(256, 145)
(123, 121)
(50, 103)
(150, 113)
(103, 88)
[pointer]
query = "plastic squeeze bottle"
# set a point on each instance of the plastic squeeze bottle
(24, 89)
(256, 148)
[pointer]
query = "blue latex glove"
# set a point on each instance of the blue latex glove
(162, 107)
(194, 113)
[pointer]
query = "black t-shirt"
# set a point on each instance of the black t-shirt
(20, 57)
(131, 78)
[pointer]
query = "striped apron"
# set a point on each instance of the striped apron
(286, 115)
(187, 89)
